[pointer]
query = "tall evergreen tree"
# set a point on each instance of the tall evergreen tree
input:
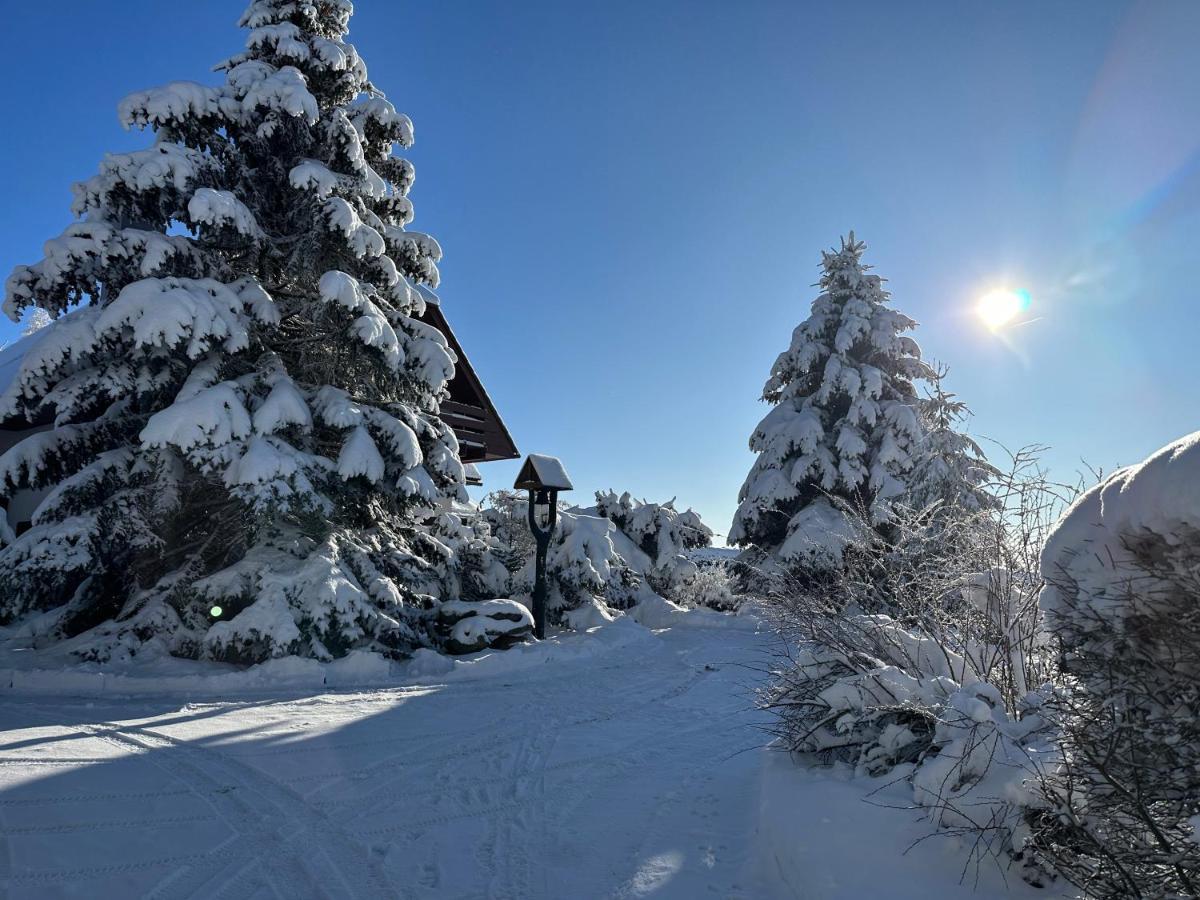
(844, 424)
(248, 455)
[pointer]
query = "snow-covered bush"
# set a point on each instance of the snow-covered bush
(844, 424)
(927, 651)
(606, 558)
(879, 695)
(710, 588)
(246, 404)
(661, 533)
(586, 575)
(1120, 814)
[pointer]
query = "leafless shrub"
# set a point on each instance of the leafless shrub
(1120, 815)
(925, 648)
(965, 584)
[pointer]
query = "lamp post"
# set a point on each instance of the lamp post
(543, 477)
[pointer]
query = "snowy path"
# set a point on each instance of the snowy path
(629, 774)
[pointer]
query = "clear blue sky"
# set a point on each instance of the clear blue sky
(632, 197)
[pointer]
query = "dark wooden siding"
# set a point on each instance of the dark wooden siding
(481, 433)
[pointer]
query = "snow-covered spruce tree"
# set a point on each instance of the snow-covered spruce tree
(950, 473)
(246, 407)
(835, 449)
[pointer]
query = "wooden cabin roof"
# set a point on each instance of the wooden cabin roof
(482, 435)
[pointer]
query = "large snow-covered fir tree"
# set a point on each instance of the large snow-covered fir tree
(834, 450)
(247, 456)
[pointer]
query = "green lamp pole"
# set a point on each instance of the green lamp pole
(542, 536)
(543, 477)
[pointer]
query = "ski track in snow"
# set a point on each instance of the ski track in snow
(528, 784)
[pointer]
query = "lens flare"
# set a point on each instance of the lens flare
(999, 308)
(216, 612)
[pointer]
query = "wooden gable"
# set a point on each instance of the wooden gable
(481, 434)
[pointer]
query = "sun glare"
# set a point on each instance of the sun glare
(999, 308)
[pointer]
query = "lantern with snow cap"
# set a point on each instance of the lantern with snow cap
(543, 477)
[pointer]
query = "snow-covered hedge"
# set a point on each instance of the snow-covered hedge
(587, 575)
(710, 588)
(1120, 815)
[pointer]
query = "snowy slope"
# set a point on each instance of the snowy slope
(630, 771)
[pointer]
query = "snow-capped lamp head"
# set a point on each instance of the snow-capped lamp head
(543, 477)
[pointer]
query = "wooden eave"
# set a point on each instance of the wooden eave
(469, 411)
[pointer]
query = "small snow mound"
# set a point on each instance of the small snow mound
(471, 626)
(591, 614)
(428, 664)
(359, 667)
(657, 612)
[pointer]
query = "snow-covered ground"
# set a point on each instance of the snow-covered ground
(631, 768)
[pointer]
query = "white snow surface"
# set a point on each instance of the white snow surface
(1160, 496)
(832, 836)
(360, 456)
(619, 763)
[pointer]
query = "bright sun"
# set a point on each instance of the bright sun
(998, 308)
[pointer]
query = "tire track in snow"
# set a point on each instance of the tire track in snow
(51, 762)
(207, 867)
(296, 863)
(545, 712)
(92, 798)
(619, 758)
(510, 785)
(69, 828)
(88, 873)
(6, 859)
(417, 752)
